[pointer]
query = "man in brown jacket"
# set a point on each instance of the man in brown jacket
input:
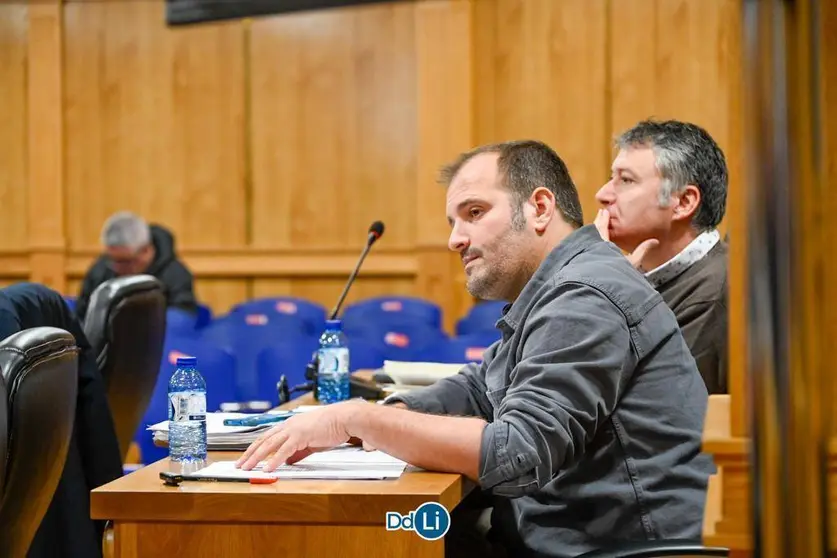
(665, 197)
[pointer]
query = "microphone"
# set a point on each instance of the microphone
(376, 230)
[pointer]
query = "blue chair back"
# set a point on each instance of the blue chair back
(395, 309)
(459, 350)
(244, 339)
(291, 311)
(204, 316)
(397, 341)
(71, 302)
(482, 316)
(180, 323)
(365, 355)
(287, 359)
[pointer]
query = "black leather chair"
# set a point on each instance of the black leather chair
(126, 325)
(40, 371)
(658, 549)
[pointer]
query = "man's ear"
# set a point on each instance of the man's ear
(686, 203)
(543, 201)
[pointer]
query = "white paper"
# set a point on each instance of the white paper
(419, 373)
(344, 462)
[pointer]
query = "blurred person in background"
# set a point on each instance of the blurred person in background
(663, 203)
(133, 247)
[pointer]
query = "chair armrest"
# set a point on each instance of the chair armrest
(658, 549)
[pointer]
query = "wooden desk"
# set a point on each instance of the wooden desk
(294, 518)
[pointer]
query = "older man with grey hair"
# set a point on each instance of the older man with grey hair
(133, 247)
(663, 203)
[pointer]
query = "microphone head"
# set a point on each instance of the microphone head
(376, 229)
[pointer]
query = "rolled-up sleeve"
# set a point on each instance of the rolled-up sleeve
(574, 360)
(463, 394)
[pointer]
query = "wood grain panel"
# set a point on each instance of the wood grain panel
(333, 128)
(13, 126)
(154, 122)
(540, 74)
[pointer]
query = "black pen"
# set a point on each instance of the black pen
(174, 479)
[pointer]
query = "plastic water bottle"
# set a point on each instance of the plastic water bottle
(333, 371)
(187, 412)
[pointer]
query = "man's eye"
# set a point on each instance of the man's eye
(475, 212)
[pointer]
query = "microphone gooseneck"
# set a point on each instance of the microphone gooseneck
(376, 230)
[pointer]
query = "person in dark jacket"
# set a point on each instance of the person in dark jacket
(93, 457)
(665, 199)
(133, 247)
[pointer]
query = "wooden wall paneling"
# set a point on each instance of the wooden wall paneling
(45, 144)
(540, 74)
(333, 142)
(154, 123)
(14, 178)
(828, 182)
(444, 97)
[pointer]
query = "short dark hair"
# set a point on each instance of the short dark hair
(685, 154)
(524, 166)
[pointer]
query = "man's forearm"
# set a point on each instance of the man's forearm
(432, 442)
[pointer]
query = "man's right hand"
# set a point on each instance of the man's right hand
(602, 223)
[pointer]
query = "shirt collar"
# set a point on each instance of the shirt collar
(575, 243)
(691, 254)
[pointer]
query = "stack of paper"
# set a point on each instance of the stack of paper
(343, 462)
(218, 436)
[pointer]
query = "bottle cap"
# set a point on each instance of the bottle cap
(186, 361)
(334, 324)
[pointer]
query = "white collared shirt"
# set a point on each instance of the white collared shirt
(694, 252)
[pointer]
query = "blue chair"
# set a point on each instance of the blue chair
(287, 359)
(204, 316)
(459, 350)
(287, 310)
(180, 322)
(244, 339)
(482, 316)
(398, 341)
(395, 309)
(364, 355)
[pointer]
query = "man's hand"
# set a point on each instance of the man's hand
(603, 220)
(302, 435)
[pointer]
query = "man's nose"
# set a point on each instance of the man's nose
(457, 241)
(605, 195)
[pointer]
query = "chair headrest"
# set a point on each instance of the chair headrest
(108, 297)
(27, 348)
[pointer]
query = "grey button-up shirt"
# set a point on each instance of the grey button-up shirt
(595, 409)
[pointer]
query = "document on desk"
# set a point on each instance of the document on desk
(341, 463)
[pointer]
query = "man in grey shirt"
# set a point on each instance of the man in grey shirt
(584, 421)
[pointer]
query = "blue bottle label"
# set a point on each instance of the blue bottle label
(187, 406)
(334, 361)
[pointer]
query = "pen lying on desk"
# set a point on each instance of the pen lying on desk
(258, 420)
(174, 479)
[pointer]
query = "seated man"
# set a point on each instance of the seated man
(132, 247)
(584, 421)
(93, 457)
(666, 196)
